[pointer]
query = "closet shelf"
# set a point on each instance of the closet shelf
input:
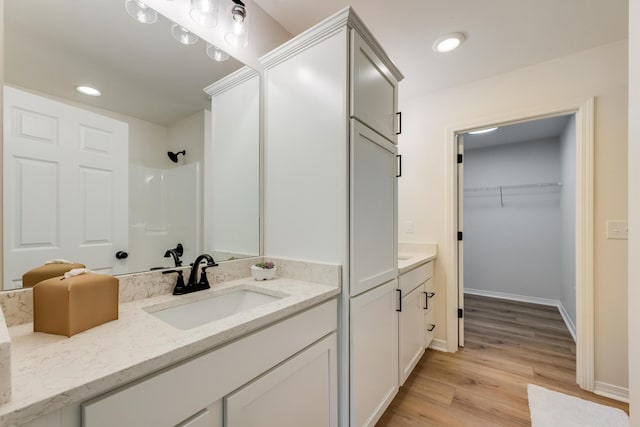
(517, 186)
(501, 188)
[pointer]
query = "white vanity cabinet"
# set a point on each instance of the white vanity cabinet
(415, 325)
(300, 392)
(331, 190)
(374, 353)
(252, 380)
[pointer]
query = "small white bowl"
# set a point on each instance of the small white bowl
(259, 273)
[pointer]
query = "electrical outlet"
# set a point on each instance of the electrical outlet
(408, 226)
(617, 230)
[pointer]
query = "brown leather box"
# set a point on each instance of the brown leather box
(47, 271)
(69, 306)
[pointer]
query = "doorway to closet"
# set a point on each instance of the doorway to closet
(583, 110)
(517, 209)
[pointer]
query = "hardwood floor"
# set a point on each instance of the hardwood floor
(507, 346)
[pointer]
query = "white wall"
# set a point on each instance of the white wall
(188, 134)
(634, 211)
(513, 248)
(568, 218)
(600, 72)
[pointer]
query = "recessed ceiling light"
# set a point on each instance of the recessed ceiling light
(448, 42)
(487, 130)
(88, 90)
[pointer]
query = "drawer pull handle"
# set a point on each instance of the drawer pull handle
(399, 115)
(399, 309)
(431, 327)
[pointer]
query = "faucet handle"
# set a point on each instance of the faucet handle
(180, 288)
(204, 282)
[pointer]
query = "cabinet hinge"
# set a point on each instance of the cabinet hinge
(459, 235)
(460, 313)
(459, 158)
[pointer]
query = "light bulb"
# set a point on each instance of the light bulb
(88, 90)
(204, 12)
(140, 12)
(238, 35)
(183, 35)
(216, 54)
(448, 42)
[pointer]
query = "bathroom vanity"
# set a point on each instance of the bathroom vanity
(140, 370)
(416, 324)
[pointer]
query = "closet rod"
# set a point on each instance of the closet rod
(507, 187)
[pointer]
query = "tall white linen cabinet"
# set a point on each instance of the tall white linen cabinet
(330, 185)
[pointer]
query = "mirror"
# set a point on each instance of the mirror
(117, 182)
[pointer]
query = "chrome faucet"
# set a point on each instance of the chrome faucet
(203, 283)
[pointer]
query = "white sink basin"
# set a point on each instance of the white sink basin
(196, 313)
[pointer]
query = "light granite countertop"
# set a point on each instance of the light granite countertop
(51, 371)
(408, 260)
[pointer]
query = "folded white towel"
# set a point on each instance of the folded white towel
(77, 272)
(58, 261)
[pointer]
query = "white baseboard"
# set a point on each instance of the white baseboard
(567, 320)
(534, 300)
(612, 391)
(438, 345)
(512, 297)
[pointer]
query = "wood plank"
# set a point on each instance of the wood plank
(508, 344)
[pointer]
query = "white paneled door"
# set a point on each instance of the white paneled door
(65, 182)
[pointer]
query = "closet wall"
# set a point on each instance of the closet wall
(513, 242)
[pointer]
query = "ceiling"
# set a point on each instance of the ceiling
(52, 46)
(502, 35)
(535, 130)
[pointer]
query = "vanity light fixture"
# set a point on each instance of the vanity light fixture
(238, 34)
(481, 131)
(216, 53)
(140, 11)
(448, 42)
(88, 90)
(183, 35)
(204, 12)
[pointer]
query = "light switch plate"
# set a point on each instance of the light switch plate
(409, 226)
(617, 230)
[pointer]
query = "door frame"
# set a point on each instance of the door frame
(584, 114)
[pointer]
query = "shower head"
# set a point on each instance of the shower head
(174, 156)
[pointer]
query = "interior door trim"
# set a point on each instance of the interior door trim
(584, 113)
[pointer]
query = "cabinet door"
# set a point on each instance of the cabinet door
(373, 209)
(411, 331)
(374, 353)
(301, 392)
(373, 89)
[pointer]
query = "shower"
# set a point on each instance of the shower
(174, 156)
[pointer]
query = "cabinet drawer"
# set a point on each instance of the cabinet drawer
(429, 327)
(414, 278)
